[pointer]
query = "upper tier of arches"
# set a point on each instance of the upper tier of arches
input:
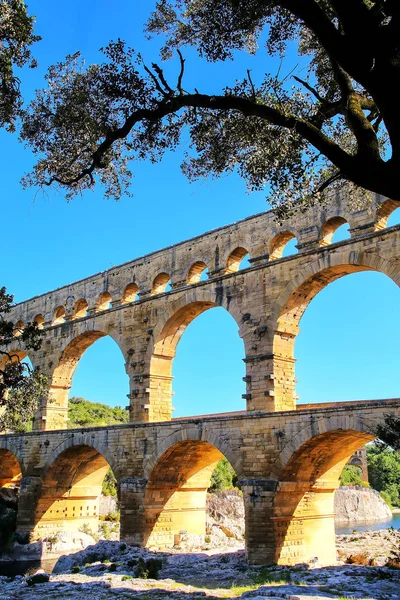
(195, 264)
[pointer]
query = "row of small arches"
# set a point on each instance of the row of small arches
(283, 244)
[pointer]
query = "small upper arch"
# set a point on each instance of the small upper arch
(59, 315)
(160, 283)
(196, 271)
(329, 228)
(130, 293)
(80, 308)
(278, 243)
(234, 259)
(39, 320)
(19, 328)
(103, 301)
(383, 213)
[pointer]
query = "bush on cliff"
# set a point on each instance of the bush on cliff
(82, 413)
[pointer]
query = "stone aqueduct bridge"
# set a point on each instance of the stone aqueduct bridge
(288, 459)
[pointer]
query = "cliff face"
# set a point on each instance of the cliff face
(353, 503)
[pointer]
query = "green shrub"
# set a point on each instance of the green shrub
(76, 569)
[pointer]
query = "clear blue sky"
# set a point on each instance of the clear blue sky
(342, 353)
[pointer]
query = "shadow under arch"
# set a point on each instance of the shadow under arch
(70, 491)
(176, 492)
(61, 380)
(303, 506)
(167, 338)
(294, 301)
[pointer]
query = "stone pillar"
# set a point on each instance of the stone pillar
(29, 493)
(304, 523)
(133, 526)
(258, 496)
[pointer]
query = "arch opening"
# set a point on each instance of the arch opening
(197, 272)
(303, 509)
(59, 315)
(198, 368)
(19, 328)
(95, 376)
(352, 330)
(334, 230)
(161, 284)
(103, 301)
(130, 293)
(10, 469)
(17, 415)
(70, 492)
(385, 216)
(238, 259)
(282, 245)
(175, 499)
(80, 308)
(39, 320)
(288, 328)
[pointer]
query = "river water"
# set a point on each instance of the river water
(13, 568)
(345, 529)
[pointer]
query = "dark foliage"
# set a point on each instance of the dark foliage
(335, 120)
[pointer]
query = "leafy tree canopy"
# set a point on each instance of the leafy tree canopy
(21, 388)
(337, 123)
(351, 475)
(389, 432)
(384, 471)
(16, 37)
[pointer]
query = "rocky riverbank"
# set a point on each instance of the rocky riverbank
(111, 570)
(360, 505)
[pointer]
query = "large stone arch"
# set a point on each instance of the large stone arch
(293, 301)
(70, 488)
(55, 414)
(303, 506)
(79, 439)
(177, 476)
(165, 338)
(194, 433)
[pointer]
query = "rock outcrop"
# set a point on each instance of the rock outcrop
(361, 505)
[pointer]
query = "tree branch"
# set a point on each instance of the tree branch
(247, 107)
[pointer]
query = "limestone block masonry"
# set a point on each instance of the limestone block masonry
(288, 458)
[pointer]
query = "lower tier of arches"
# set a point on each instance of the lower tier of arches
(289, 515)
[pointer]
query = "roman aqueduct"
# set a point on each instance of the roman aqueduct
(287, 457)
